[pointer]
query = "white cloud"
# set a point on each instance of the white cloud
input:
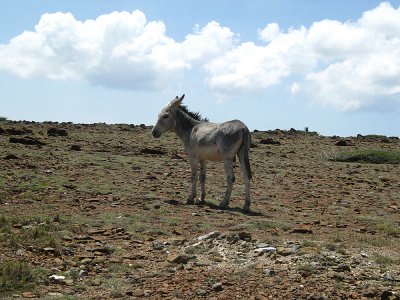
(270, 32)
(119, 49)
(359, 62)
(346, 65)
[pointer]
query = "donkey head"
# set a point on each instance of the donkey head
(165, 118)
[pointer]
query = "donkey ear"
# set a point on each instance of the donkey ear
(176, 102)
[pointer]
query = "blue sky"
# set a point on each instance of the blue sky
(272, 64)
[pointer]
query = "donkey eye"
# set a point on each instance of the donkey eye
(165, 116)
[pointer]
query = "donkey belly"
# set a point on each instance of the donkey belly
(209, 153)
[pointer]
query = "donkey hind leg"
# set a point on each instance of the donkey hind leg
(246, 178)
(230, 179)
(202, 181)
(193, 167)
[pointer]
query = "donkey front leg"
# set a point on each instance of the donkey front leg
(193, 168)
(230, 179)
(202, 181)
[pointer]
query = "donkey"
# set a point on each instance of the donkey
(208, 141)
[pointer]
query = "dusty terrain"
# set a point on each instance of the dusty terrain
(102, 207)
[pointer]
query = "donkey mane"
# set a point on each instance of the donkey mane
(195, 115)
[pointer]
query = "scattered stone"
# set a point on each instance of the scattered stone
(386, 295)
(176, 156)
(158, 245)
(245, 236)
(317, 296)
(26, 141)
(96, 282)
(231, 237)
(28, 295)
(211, 235)
(56, 132)
(369, 293)
(15, 131)
(21, 252)
(69, 282)
(268, 250)
(269, 141)
(269, 272)
(115, 260)
(217, 287)
(49, 250)
(76, 148)
(82, 273)
(54, 294)
(152, 151)
(138, 293)
(342, 268)
(262, 245)
(182, 258)
(201, 292)
(11, 156)
(302, 230)
(342, 143)
(104, 250)
(57, 279)
(390, 277)
(285, 251)
(86, 261)
(177, 231)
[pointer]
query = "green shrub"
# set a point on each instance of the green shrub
(369, 156)
(17, 276)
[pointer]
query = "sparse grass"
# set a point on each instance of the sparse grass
(307, 268)
(375, 241)
(386, 226)
(368, 156)
(309, 244)
(389, 228)
(337, 247)
(18, 276)
(116, 286)
(385, 261)
(38, 231)
(265, 225)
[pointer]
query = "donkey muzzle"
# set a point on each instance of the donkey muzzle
(156, 133)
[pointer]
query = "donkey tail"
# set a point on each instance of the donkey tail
(246, 150)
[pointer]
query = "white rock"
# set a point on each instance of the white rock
(57, 278)
(270, 250)
(211, 235)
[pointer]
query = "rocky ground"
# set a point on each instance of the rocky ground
(98, 212)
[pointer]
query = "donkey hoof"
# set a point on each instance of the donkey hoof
(201, 202)
(246, 208)
(223, 205)
(190, 201)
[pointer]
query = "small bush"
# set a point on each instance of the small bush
(385, 261)
(17, 276)
(389, 228)
(369, 156)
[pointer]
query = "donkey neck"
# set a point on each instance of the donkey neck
(184, 125)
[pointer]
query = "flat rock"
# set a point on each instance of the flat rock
(211, 235)
(245, 236)
(182, 258)
(304, 229)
